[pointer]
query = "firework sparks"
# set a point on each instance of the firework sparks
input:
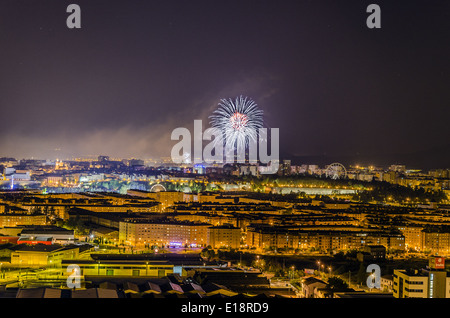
(237, 120)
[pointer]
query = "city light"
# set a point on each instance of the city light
(136, 160)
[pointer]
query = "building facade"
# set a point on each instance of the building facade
(224, 236)
(141, 233)
(430, 283)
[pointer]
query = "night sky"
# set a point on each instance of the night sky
(137, 69)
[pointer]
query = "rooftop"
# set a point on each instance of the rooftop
(46, 230)
(362, 294)
(43, 248)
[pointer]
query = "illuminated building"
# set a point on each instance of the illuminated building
(413, 236)
(435, 241)
(224, 236)
(127, 268)
(55, 234)
(263, 236)
(166, 198)
(286, 167)
(16, 219)
(43, 255)
(431, 283)
(140, 233)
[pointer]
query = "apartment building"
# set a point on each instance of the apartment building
(17, 219)
(142, 232)
(430, 283)
(165, 198)
(261, 237)
(413, 236)
(224, 236)
(435, 241)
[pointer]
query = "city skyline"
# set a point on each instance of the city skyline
(118, 86)
(238, 156)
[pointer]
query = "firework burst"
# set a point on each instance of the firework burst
(237, 120)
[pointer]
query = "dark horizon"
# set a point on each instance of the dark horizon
(135, 71)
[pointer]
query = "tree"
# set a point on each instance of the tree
(279, 273)
(341, 270)
(208, 253)
(337, 284)
(351, 253)
(288, 211)
(339, 256)
(361, 276)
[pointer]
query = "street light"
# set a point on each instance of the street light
(372, 277)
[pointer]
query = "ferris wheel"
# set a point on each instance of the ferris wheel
(157, 188)
(336, 171)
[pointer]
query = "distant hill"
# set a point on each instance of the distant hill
(432, 158)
